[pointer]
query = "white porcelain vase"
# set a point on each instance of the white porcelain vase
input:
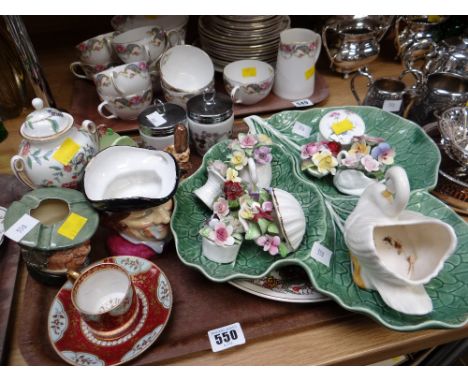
(223, 254)
(396, 251)
(212, 189)
(258, 175)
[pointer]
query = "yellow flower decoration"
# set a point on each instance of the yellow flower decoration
(238, 160)
(264, 139)
(232, 175)
(325, 162)
(359, 148)
(246, 212)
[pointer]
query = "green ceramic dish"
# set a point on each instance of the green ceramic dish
(415, 151)
(44, 237)
(190, 214)
(418, 154)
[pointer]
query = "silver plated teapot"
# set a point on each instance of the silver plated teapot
(450, 55)
(417, 28)
(352, 43)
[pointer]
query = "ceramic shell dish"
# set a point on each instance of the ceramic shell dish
(420, 158)
(128, 178)
(396, 251)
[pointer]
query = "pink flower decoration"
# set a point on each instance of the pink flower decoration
(267, 206)
(262, 155)
(350, 160)
(142, 65)
(221, 207)
(120, 48)
(82, 47)
(221, 233)
(248, 141)
(308, 150)
(370, 164)
(270, 243)
(136, 100)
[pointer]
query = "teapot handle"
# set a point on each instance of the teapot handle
(91, 128)
(413, 90)
(397, 35)
(425, 44)
(361, 72)
(324, 40)
(17, 166)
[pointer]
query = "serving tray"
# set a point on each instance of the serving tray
(420, 157)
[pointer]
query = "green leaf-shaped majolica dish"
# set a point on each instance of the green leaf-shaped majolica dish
(252, 262)
(418, 154)
(415, 151)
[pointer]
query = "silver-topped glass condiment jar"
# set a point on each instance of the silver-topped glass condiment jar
(210, 118)
(157, 124)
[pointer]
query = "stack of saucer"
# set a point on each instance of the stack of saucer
(231, 38)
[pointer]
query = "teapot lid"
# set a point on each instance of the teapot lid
(45, 122)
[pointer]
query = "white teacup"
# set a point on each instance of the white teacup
(172, 24)
(123, 79)
(87, 71)
(97, 50)
(140, 44)
(248, 81)
(180, 97)
(295, 68)
(126, 107)
(186, 69)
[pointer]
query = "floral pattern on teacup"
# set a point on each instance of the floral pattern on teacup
(128, 50)
(129, 71)
(135, 101)
(95, 44)
(260, 88)
(299, 50)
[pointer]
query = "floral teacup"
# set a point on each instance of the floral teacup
(122, 80)
(88, 70)
(248, 81)
(126, 107)
(97, 50)
(140, 44)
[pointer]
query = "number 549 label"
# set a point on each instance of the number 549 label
(226, 337)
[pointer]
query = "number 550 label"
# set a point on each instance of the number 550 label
(226, 337)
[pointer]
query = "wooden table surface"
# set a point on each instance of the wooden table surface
(359, 340)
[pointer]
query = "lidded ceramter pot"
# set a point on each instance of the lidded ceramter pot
(210, 119)
(157, 124)
(54, 151)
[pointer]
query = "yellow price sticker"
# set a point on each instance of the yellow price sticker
(72, 226)
(249, 72)
(66, 151)
(342, 126)
(433, 19)
(309, 72)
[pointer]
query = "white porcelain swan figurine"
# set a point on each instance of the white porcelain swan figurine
(396, 251)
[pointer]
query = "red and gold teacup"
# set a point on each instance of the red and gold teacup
(106, 299)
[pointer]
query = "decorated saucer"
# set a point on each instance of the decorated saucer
(286, 284)
(76, 345)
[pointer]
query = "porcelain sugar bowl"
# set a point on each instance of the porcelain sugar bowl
(54, 151)
(59, 240)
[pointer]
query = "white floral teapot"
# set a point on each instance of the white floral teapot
(54, 151)
(396, 251)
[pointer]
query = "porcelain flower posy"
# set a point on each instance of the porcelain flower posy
(370, 155)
